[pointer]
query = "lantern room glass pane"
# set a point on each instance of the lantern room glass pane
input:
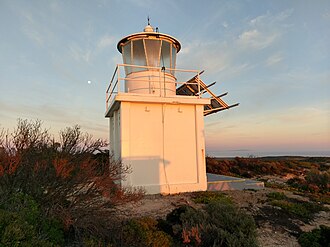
(139, 56)
(126, 51)
(173, 59)
(165, 55)
(152, 50)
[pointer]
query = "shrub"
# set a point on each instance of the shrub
(143, 232)
(219, 224)
(276, 196)
(229, 226)
(303, 210)
(206, 197)
(318, 237)
(320, 179)
(72, 180)
(21, 222)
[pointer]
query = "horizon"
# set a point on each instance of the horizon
(271, 57)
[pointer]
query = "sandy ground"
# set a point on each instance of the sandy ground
(274, 229)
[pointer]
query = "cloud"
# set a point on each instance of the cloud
(36, 24)
(256, 39)
(79, 54)
(274, 59)
(326, 15)
(303, 116)
(269, 19)
(31, 28)
(105, 41)
(262, 31)
(59, 116)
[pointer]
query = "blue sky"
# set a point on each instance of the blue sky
(273, 57)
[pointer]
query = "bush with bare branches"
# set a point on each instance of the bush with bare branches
(73, 180)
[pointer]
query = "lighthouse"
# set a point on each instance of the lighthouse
(156, 115)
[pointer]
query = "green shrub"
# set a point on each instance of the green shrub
(318, 237)
(179, 221)
(219, 224)
(16, 231)
(94, 242)
(303, 210)
(207, 197)
(275, 185)
(22, 224)
(143, 232)
(229, 226)
(276, 196)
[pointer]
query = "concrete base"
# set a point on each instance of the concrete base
(219, 183)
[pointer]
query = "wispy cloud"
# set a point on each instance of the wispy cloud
(262, 31)
(326, 15)
(303, 116)
(106, 41)
(79, 54)
(256, 39)
(31, 27)
(274, 59)
(271, 19)
(60, 117)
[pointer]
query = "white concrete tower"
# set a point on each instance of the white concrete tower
(153, 129)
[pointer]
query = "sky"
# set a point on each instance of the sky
(273, 57)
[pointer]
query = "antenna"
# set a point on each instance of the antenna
(148, 20)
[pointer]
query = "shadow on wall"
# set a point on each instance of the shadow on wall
(152, 172)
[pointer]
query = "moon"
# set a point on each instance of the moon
(89, 82)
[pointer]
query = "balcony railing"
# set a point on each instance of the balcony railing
(182, 76)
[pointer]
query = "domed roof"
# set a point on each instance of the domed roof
(148, 28)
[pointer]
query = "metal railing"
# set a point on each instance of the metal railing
(118, 80)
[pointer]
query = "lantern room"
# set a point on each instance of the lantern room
(146, 52)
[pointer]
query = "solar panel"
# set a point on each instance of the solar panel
(195, 87)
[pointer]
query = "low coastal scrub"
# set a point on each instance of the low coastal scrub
(217, 224)
(314, 169)
(22, 222)
(303, 210)
(143, 232)
(207, 197)
(315, 182)
(318, 237)
(308, 175)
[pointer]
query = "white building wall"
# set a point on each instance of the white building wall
(115, 135)
(163, 143)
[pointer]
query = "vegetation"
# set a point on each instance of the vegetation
(276, 196)
(22, 222)
(143, 232)
(318, 237)
(310, 175)
(247, 167)
(70, 184)
(315, 181)
(207, 197)
(254, 166)
(64, 193)
(217, 224)
(300, 209)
